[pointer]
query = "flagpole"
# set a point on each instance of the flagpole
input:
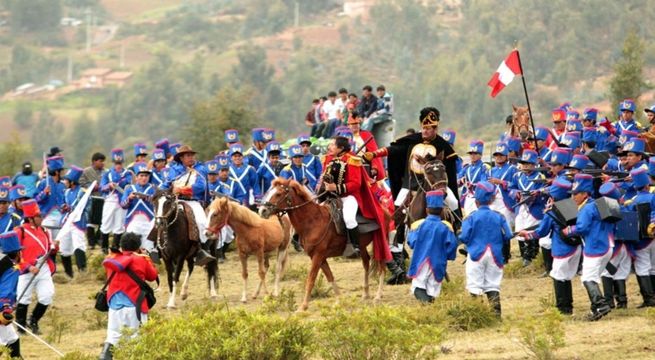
(527, 99)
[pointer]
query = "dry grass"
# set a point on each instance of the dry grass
(624, 332)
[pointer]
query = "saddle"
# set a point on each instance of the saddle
(335, 207)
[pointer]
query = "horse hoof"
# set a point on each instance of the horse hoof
(213, 297)
(377, 298)
(366, 297)
(185, 296)
(171, 307)
(301, 309)
(244, 300)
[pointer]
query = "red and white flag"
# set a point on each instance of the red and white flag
(509, 68)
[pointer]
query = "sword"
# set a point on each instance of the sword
(363, 146)
(38, 338)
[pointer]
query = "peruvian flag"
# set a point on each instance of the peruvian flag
(509, 68)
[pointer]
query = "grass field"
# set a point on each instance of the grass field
(624, 334)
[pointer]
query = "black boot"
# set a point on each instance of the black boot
(352, 246)
(422, 296)
(154, 256)
(562, 297)
(106, 353)
(548, 261)
(80, 259)
(652, 281)
(494, 301)
(295, 240)
(202, 255)
(105, 243)
(14, 349)
(398, 275)
(220, 256)
(116, 243)
(646, 289)
(21, 316)
(620, 294)
(226, 248)
(91, 237)
(568, 299)
(608, 290)
(67, 262)
(37, 314)
(522, 252)
(599, 307)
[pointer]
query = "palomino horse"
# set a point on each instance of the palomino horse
(520, 126)
(314, 224)
(254, 235)
(172, 240)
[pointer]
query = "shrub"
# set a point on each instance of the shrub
(466, 313)
(541, 335)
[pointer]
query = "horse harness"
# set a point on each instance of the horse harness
(162, 231)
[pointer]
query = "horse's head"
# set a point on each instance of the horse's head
(435, 173)
(283, 195)
(520, 121)
(165, 205)
(217, 214)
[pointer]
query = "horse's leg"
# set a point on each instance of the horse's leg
(330, 277)
(185, 285)
(262, 260)
(381, 270)
(244, 275)
(317, 260)
(179, 265)
(366, 262)
(170, 269)
(282, 258)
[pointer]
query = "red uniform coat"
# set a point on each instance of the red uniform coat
(139, 264)
(357, 183)
(371, 146)
(36, 243)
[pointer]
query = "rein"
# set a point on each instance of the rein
(217, 228)
(162, 227)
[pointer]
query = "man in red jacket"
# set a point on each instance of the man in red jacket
(361, 137)
(37, 245)
(123, 292)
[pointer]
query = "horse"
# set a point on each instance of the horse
(520, 125)
(172, 239)
(318, 235)
(254, 235)
(435, 178)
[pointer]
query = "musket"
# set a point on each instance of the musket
(620, 174)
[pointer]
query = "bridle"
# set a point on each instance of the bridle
(281, 211)
(161, 222)
(217, 228)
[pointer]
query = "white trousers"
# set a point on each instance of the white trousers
(565, 268)
(226, 236)
(201, 219)
(8, 335)
(483, 275)
(113, 216)
(623, 262)
(350, 208)
(71, 240)
(593, 267)
(469, 205)
(45, 289)
(425, 280)
(53, 222)
(141, 225)
(644, 260)
(524, 220)
(499, 205)
(122, 318)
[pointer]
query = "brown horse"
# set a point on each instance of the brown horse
(254, 235)
(520, 126)
(434, 178)
(314, 224)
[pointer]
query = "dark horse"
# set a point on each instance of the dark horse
(172, 239)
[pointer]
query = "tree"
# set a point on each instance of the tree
(229, 109)
(42, 132)
(35, 15)
(628, 80)
(13, 153)
(23, 115)
(81, 139)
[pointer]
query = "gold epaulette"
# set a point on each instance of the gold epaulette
(451, 155)
(416, 224)
(487, 166)
(288, 167)
(355, 160)
(448, 224)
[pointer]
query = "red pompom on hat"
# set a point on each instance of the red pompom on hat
(31, 208)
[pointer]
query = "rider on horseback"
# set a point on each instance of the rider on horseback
(187, 178)
(345, 176)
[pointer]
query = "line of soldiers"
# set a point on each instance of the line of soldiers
(590, 160)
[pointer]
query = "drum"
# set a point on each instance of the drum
(628, 228)
(643, 212)
(609, 209)
(95, 216)
(566, 211)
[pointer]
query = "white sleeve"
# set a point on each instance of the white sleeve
(451, 200)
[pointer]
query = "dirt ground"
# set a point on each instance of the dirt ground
(624, 334)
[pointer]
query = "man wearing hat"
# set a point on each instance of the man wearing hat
(541, 135)
(644, 248)
(634, 151)
(188, 180)
(527, 187)
(230, 136)
(244, 176)
(72, 239)
(17, 194)
(8, 220)
(433, 243)
(36, 275)
(297, 170)
(311, 161)
(93, 173)
(626, 121)
(622, 254)
(163, 145)
(27, 178)
(598, 237)
(559, 161)
(5, 181)
(50, 195)
(140, 155)
(565, 251)
(485, 233)
(222, 184)
(515, 148)
(214, 185)
(450, 136)
(140, 211)
(649, 134)
(113, 185)
(172, 151)
(501, 176)
(558, 116)
(270, 169)
(365, 142)
(159, 170)
(256, 155)
(9, 260)
(471, 174)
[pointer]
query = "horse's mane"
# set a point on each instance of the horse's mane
(237, 211)
(293, 184)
